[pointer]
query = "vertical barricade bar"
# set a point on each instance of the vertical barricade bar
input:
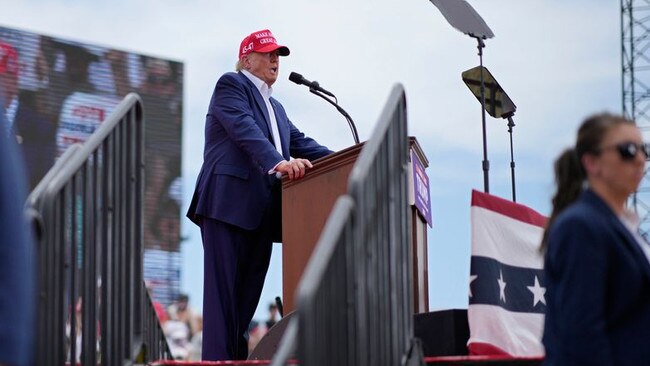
(72, 244)
(114, 259)
(89, 277)
(113, 244)
(60, 267)
(120, 242)
(98, 219)
(122, 264)
(136, 123)
(54, 291)
(57, 291)
(47, 300)
(107, 293)
(128, 233)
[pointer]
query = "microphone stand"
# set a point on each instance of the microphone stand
(511, 124)
(486, 162)
(345, 114)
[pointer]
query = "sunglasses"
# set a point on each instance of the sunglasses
(628, 150)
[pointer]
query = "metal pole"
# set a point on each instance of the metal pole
(486, 162)
(511, 124)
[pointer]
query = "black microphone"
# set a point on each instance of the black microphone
(300, 80)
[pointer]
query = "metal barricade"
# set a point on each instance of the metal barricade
(88, 210)
(354, 301)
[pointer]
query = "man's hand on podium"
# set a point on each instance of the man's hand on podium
(295, 168)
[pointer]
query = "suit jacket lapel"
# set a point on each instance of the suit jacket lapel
(628, 240)
(631, 243)
(261, 105)
(283, 129)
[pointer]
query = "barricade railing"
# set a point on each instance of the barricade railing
(92, 304)
(354, 302)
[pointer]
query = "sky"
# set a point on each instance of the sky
(559, 61)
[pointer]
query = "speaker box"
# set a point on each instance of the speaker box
(443, 333)
(270, 342)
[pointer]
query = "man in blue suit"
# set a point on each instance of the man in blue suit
(236, 203)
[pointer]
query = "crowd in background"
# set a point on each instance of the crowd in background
(183, 328)
(56, 92)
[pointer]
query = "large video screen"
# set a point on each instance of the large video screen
(56, 92)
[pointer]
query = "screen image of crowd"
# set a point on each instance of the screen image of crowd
(56, 92)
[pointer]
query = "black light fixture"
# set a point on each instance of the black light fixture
(496, 102)
(465, 19)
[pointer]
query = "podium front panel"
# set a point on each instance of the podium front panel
(306, 204)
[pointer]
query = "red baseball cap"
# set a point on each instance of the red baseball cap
(8, 59)
(263, 42)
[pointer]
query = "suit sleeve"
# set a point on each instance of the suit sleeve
(232, 108)
(578, 253)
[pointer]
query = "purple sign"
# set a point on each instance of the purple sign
(421, 188)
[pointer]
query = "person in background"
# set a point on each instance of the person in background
(237, 200)
(181, 311)
(597, 265)
(177, 334)
(255, 334)
(197, 341)
(273, 313)
(161, 91)
(33, 128)
(9, 67)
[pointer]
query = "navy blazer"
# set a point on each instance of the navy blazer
(18, 275)
(598, 289)
(233, 185)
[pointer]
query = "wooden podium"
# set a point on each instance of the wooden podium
(306, 205)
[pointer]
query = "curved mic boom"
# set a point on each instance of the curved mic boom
(318, 90)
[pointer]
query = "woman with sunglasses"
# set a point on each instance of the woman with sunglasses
(597, 266)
